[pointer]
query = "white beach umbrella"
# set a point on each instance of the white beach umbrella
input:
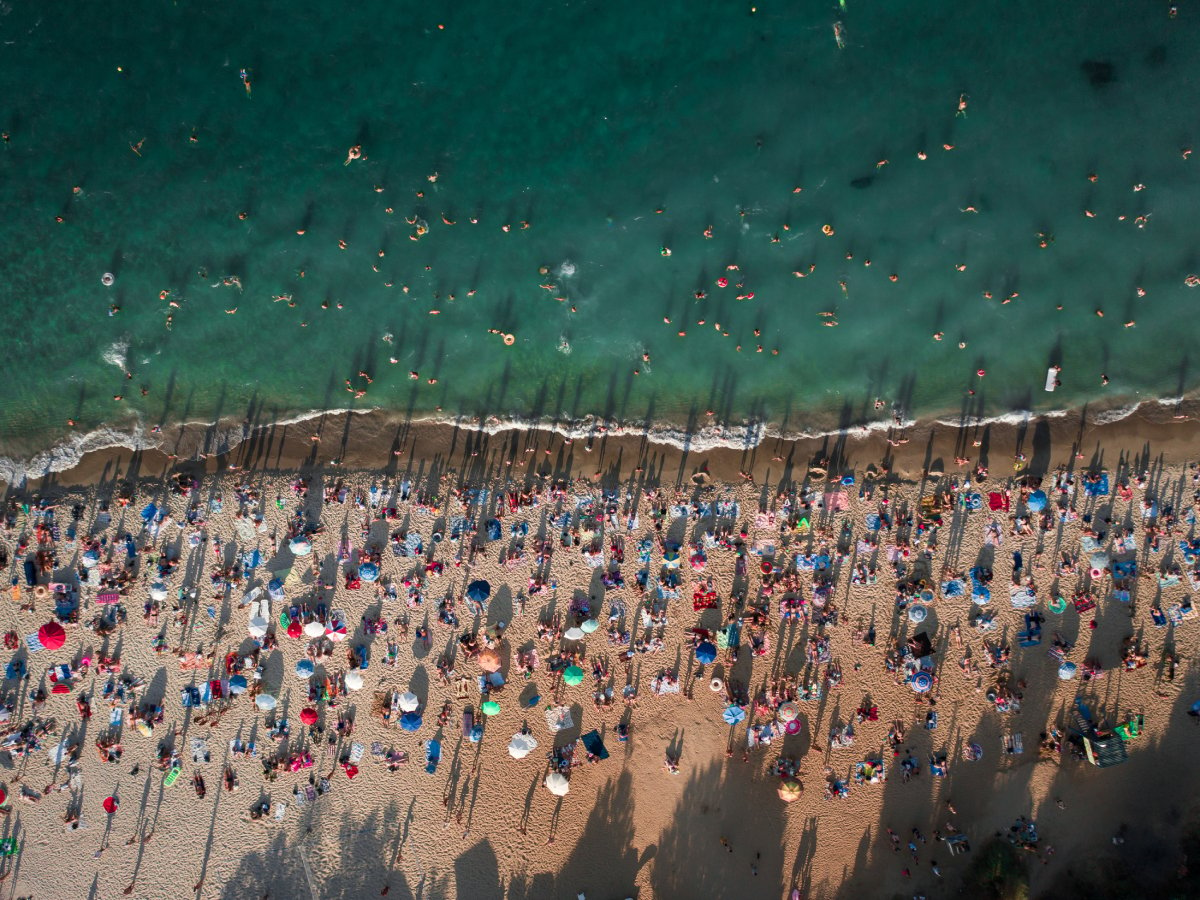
(257, 626)
(521, 745)
(574, 634)
(557, 784)
(408, 702)
(354, 681)
(158, 591)
(265, 702)
(314, 629)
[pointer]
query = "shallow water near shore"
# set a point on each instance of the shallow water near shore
(583, 119)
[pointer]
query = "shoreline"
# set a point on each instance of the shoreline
(377, 438)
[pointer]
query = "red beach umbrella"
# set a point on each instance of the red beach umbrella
(295, 629)
(111, 804)
(308, 716)
(52, 635)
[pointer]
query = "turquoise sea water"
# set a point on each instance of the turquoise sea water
(583, 119)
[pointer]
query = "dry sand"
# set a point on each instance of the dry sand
(482, 825)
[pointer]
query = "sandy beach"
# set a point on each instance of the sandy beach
(821, 632)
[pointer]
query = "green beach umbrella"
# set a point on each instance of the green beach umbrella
(491, 707)
(573, 675)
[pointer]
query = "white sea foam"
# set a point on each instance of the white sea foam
(566, 269)
(1108, 416)
(115, 355)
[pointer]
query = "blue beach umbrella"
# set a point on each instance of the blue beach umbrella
(368, 571)
(237, 684)
(275, 589)
(1036, 501)
(304, 668)
(917, 613)
(410, 721)
(706, 653)
(479, 591)
(922, 682)
(733, 714)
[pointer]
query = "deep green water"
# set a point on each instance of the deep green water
(583, 118)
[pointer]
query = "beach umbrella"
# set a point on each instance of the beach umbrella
(733, 714)
(368, 571)
(308, 716)
(521, 746)
(52, 635)
(295, 629)
(237, 684)
(304, 668)
(490, 708)
(265, 702)
(408, 702)
(314, 629)
(91, 559)
(706, 652)
(922, 682)
(789, 712)
(336, 630)
(3, 797)
(275, 589)
(489, 660)
(354, 681)
(158, 591)
(300, 545)
(790, 790)
(1066, 671)
(257, 626)
(589, 625)
(479, 591)
(410, 721)
(111, 804)
(716, 685)
(1036, 501)
(671, 559)
(557, 784)
(574, 634)
(792, 727)
(917, 613)
(492, 527)
(573, 675)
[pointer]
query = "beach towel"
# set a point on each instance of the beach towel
(998, 501)
(836, 501)
(1097, 487)
(1021, 597)
(594, 744)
